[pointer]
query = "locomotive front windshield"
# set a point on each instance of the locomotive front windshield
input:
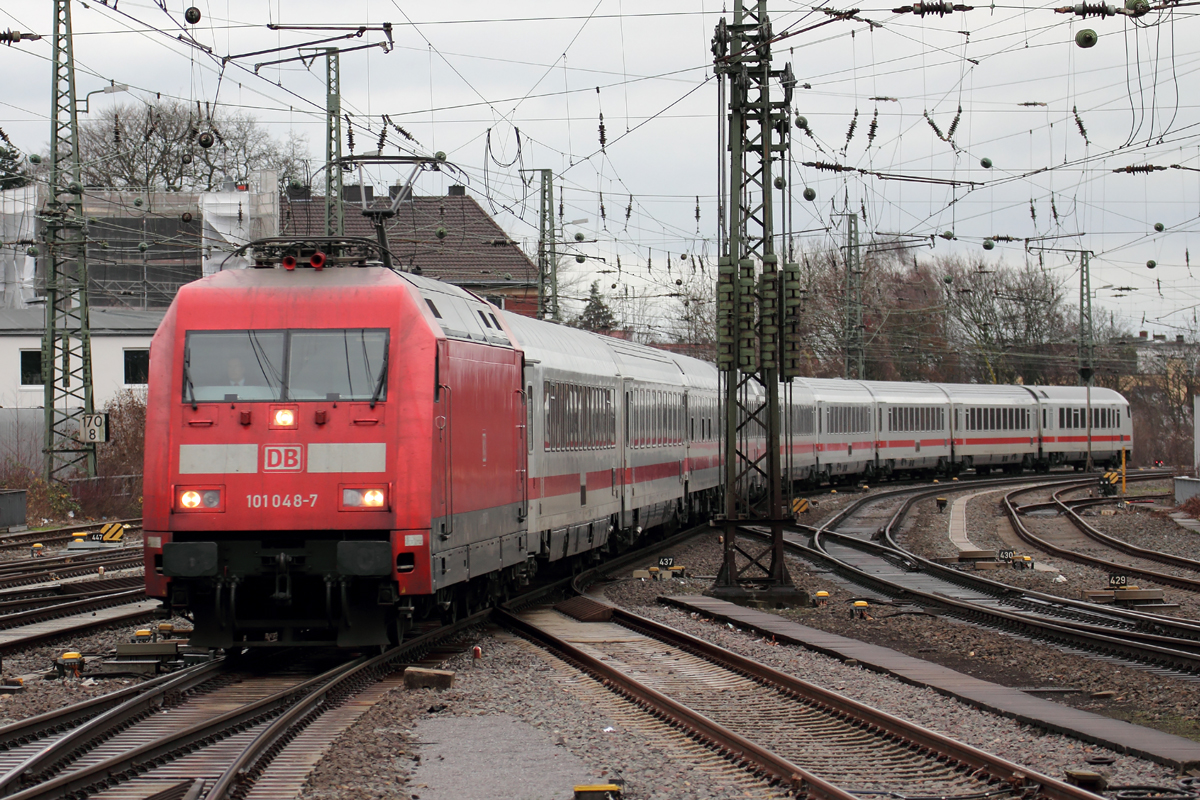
(276, 365)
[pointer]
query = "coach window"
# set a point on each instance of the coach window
(639, 399)
(546, 391)
(660, 435)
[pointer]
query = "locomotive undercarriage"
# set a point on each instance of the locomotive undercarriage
(280, 591)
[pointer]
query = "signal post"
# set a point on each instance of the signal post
(757, 309)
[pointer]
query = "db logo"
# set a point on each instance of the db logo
(282, 458)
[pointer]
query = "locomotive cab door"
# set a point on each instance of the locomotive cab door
(443, 488)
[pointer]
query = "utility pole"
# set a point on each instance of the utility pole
(334, 219)
(757, 305)
(547, 250)
(66, 342)
(1087, 341)
(852, 313)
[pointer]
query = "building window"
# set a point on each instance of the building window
(137, 367)
(31, 368)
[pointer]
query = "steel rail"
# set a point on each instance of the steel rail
(68, 567)
(737, 748)
(23, 538)
(1027, 535)
(748, 753)
(1149, 627)
(972, 757)
(1155, 623)
(148, 699)
(38, 598)
(251, 761)
(1130, 643)
(25, 731)
(1080, 502)
(80, 624)
(1118, 544)
(71, 608)
(110, 771)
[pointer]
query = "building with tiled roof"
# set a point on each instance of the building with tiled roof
(474, 252)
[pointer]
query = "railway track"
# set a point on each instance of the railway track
(887, 569)
(23, 539)
(215, 728)
(1067, 509)
(36, 606)
(226, 726)
(15, 574)
(815, 742)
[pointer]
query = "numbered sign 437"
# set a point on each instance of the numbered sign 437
(93, 428)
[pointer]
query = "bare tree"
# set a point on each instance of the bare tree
(159, 145)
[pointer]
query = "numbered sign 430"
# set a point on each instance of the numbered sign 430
(93, 428)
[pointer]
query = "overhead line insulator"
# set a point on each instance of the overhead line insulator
(13, 37)
(1133, 168)
(940, 7)
(829, 167)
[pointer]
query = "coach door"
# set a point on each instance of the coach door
(625, 471)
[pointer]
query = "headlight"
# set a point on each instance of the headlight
(363, 498)
(283, 417)
(199, 498)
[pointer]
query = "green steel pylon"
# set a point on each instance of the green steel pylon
(66, 343)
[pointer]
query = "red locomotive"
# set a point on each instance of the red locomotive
(316, 429)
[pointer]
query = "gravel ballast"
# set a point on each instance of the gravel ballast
(1160, 702)
(542, 702)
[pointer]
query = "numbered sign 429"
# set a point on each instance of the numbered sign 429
(93, 428)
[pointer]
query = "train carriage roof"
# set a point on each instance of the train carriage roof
(832, 390)
(988, 394)
(559, 347)
(1077, 394)
(901, 393)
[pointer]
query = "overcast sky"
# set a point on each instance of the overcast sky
(464, 77)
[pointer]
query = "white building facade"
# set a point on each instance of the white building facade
(120, 354)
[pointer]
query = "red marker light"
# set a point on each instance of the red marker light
(317, 260)
(289, 263)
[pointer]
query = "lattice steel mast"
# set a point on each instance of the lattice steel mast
(1087, 341)
(66, 342)
(334, 218)
(547, 250)
(855, 354)
(757, 307)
